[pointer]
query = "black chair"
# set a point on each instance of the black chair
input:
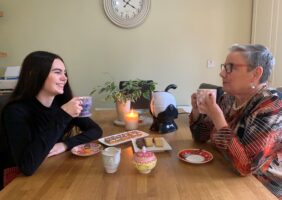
(279, 90)
(3, 101)
(142, 103)
(5, 176)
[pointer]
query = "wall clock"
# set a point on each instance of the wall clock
(127, 13)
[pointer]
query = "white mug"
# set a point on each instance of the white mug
(202, 94)
(111, 159)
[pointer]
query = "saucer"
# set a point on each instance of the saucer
(195, 156)
(87, 149)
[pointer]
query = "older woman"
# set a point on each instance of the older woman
(246, 124)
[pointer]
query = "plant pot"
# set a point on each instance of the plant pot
(122, 108)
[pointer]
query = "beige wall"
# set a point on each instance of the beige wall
(172, 46)
(267, 30)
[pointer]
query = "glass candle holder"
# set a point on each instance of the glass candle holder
(131, 120)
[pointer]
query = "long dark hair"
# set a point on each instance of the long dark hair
(34, 71)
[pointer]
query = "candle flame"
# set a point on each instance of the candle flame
(132, 113)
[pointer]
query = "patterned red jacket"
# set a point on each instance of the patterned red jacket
(252, 142)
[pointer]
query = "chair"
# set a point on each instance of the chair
(279, 89)
(7, 171)
(142, 104)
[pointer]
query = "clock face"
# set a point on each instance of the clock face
(127, 13)
(127, 9)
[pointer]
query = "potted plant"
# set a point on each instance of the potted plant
(125, 93)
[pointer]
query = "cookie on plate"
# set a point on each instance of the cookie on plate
(149, 141)
(158, 141)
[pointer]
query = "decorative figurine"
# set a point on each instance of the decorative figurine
(164, 111)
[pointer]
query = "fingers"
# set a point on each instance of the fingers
(78, 100)
(57, 149)
(73, 107)
(194, 100)
(212, 98)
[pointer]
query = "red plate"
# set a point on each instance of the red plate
(87, 149)
(195, 156)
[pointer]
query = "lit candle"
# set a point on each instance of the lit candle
(131, 120)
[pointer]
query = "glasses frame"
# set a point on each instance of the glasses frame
(228, 67)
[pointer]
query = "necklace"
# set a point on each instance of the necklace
(234, 107)
(238, 107)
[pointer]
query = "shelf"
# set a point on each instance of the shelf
(1, 14)
(3, 54)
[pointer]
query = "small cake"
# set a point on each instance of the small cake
(140, 143)
(108, 140)
(149, 141)
(158, 141)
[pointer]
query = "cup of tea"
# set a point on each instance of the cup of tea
(111, 159)
(202, 94)
(86, 103)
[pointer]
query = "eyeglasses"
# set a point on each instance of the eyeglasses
(228, 67)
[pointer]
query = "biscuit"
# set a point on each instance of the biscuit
(158, 141)
(149, 141)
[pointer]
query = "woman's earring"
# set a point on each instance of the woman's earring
(253, 86)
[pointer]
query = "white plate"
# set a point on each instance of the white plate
(166, 147)
(123, 137)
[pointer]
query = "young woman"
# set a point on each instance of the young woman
(246, 126)
(39, 116)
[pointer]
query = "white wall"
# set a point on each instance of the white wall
(172, 46)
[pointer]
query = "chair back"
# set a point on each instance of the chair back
(279, 89)
(142, 103)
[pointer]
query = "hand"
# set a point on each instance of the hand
(131, 6)
(57, 149)
(214, 112)
(73, 107)
(195, 112)
(126, 2)
(208, 104)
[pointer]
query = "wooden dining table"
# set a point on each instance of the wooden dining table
(70, 177)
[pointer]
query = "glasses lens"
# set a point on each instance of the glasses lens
(222, 67)
(227, 67)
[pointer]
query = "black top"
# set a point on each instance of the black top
(31, 130)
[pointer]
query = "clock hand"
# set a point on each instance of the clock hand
(131, 5)
(126, 3)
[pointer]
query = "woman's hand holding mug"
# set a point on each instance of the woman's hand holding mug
(73, 107)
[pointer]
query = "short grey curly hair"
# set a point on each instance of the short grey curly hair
(256, 55)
